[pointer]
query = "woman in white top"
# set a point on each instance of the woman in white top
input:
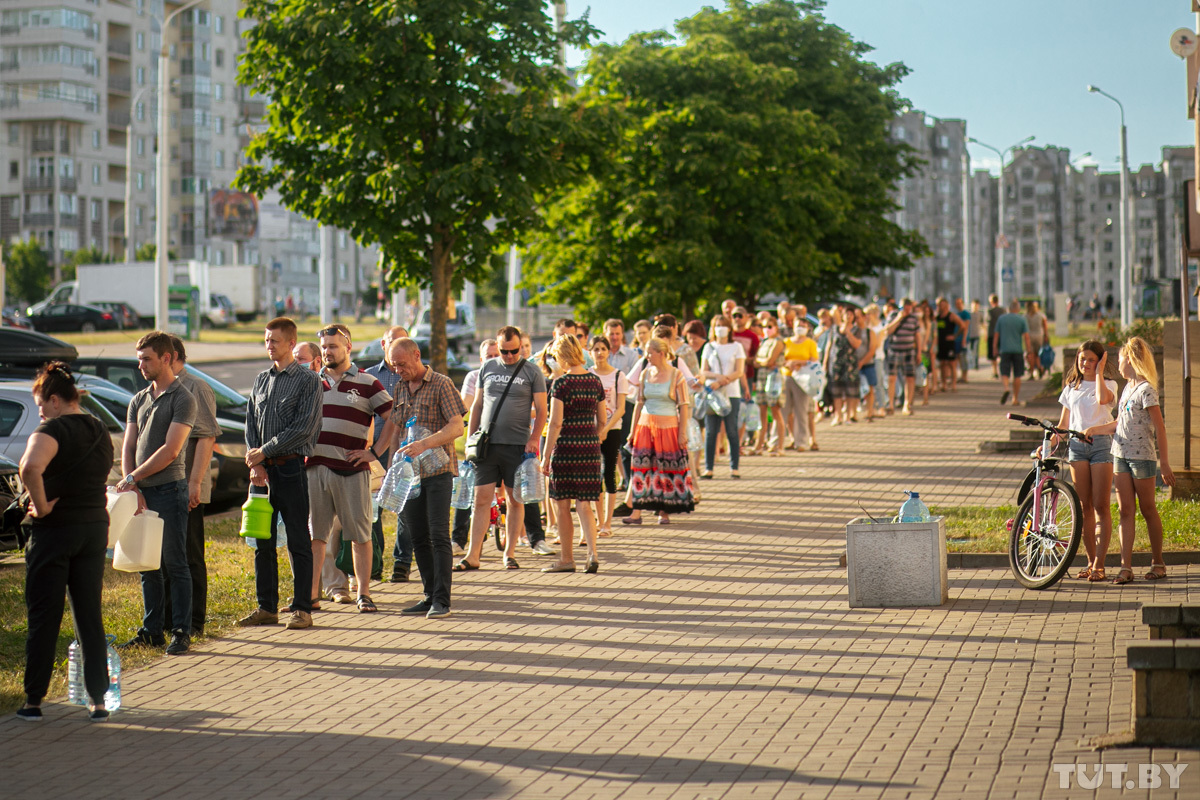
(1088, 399)
(722, 367)
(616, 389)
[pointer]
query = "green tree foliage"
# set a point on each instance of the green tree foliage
(84, 255)
(27, 271)
(754, 157)
(428, 127)
(148, 251)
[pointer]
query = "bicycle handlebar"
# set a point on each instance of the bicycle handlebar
(1046, 426)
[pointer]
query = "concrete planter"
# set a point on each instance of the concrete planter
(896, 565)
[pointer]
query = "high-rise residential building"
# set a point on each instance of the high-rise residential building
(78, 86)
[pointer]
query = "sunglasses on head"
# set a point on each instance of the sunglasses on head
(332, 329)
(509, 352)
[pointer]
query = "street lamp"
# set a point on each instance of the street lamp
(1126, 277)
(129, 174)
(162, 172)
(1000, 225)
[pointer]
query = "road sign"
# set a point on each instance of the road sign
(1008, 274)
(1002, 242)
(1183, 42)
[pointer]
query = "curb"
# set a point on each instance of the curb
(1000, 560)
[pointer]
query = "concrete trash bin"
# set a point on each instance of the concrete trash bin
(896, 564)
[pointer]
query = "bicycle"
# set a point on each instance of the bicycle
(1046, 532)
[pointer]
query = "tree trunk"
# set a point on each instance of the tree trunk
(442, 275)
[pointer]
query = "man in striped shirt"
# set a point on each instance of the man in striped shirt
(338, 485)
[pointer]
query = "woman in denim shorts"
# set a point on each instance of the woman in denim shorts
(1138, 428)
(1088, 399)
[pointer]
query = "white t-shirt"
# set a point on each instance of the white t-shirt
(1085, 409)
(614, 383)
(720, 358)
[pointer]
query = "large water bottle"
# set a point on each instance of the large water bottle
(773, 387)
(76, 687)
(718, 403)
(913, 509)
(401, 483)
(530, 482)
(462, 492)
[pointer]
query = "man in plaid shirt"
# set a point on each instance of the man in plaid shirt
(436, 404)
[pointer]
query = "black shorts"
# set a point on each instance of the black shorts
(946, 351)
(500, 465)
(1012, 365)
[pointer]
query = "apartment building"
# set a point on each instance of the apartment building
(78, 124)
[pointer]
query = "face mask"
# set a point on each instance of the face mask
(721, 331)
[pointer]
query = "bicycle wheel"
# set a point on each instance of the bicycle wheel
(1040, 550)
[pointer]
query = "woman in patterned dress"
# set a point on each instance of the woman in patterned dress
(660, 479)
(572, 457)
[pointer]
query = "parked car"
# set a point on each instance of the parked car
(72, 317)
(30, 349)
(126, 317)
(231, 476)
(10, 489)
(19, 418)
(459, 331)
(372, 354)
(124, 372)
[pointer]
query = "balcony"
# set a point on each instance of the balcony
(64, 146)
(118, 119)
(117, 83)
(41, 219)
(39, 183)
(68, 220)
(10, 30)
(43, 145)
(117, 226)
(67, 183)
(10, 65)
(119, 47)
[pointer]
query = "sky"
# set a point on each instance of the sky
(1010, 68)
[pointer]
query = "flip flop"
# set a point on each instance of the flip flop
(465, 566)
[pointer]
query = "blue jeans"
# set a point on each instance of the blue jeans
(169, 501)
(712, 427)
(287, 488)
(427, 519)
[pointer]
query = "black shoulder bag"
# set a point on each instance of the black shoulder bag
(478, 442)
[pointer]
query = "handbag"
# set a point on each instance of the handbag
(478, 442)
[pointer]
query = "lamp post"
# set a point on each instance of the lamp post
(1126, 277)
(129, 174)
(1000, 223)
(162, 172)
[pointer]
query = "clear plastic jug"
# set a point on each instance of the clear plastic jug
(530, 482)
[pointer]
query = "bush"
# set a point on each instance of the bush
(1113, 335)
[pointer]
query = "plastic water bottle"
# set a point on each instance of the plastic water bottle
(773, 387)
(462, 492)
(718, 403)
(401, 483)
(76, 687)
(913, 509)
(530, 483)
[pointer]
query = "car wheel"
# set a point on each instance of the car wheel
(88, 327)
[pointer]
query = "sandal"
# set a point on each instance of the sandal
(366, 605)
(511, 563)
(1097, 575)
(465, 566)
(813, 447)
(1084, 574)
(1157, 572)
(1123, 577)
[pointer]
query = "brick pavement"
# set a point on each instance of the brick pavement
(716, 658)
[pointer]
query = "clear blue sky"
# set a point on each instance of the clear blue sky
(1010, 68)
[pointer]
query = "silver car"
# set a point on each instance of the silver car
(19, 418)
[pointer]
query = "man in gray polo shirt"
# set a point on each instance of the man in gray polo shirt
(159, 422)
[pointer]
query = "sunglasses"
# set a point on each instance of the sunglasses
(332, 329)
(509, 352)
(581, 336)
(738, 316)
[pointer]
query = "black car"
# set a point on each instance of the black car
(72, 317)
(30, 349)
(123, 312)
(372, 354)
(124, 372)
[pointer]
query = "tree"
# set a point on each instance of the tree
(148, 250)
(428, 127)
(84, 255)
(754, 157)
(26, 270)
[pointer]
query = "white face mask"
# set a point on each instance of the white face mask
(721, 331)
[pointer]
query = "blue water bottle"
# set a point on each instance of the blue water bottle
(913, 509)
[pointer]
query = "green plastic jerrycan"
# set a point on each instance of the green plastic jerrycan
(256, 517)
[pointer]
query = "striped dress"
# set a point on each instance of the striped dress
(575, 463)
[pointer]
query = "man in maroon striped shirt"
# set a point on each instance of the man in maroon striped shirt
(338, 484)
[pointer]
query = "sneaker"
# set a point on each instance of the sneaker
(144, 639)
(399, 577)
(423, 607)
(299, 619)
(180, 643)
(29, 713)
(98, 715)
(543, 549)
(258, 616)
(438, 611)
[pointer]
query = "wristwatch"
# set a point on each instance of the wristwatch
(128, 480)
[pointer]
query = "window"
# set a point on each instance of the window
(14, 133)
(218, 91)
(342, 239)
(219, 158)
(219, 124)
(140, 145)
(141, 76)
(141, 8)
(140, 180)
(67, 204)
(14, 170)
(67, 239)
(95, 210)
(140, 112)
(219, 57)
(96, 140)
(343, 272)
(1108, 247)
(218, 23)
(67, 165)
(96, 174)
(140, 38)
(219, 257)
(10, 415)
(204, 51)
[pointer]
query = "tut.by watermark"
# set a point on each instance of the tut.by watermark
(1120, 776)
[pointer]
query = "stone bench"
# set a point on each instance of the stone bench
(1166, 677)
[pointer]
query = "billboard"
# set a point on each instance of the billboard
(232, 215)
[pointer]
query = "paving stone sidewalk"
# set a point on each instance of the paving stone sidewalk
(713, 658)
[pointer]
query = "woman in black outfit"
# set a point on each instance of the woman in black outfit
(64, 468)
